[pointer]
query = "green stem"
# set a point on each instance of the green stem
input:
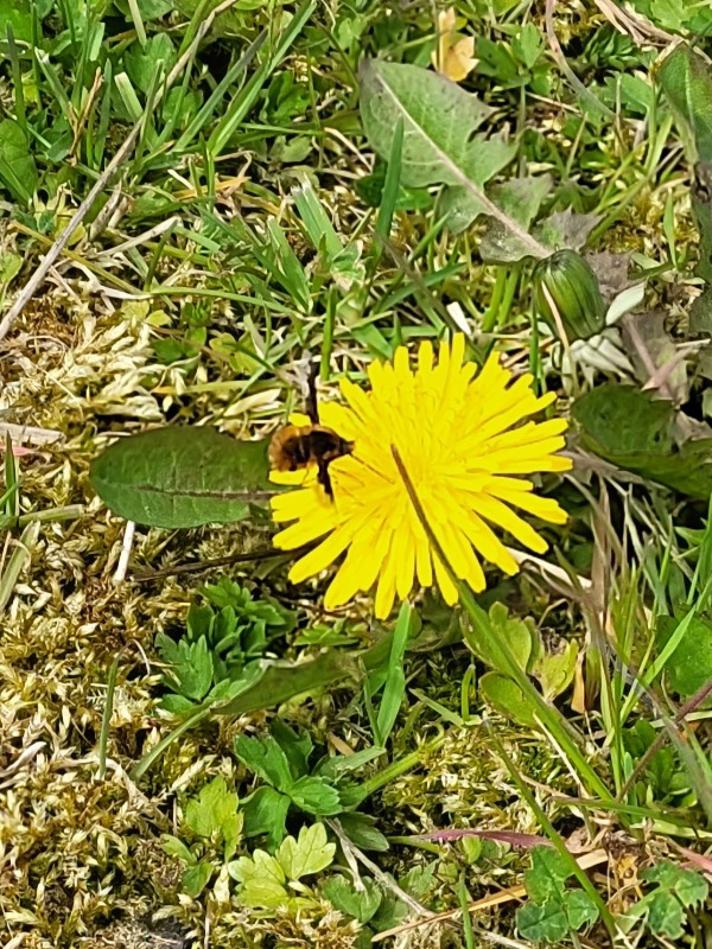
(20, 556)
(489, 320)
(106, 717)
(509, 291)
(555, 837)
(399, 767)
(147, 760)
(66, 513)
(504, 660)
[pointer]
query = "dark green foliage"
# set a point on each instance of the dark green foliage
(635, 431)
(282, 760)
(677, 891)
(213, 819)
(218, 655)
(553, 910)
(182, 477)
(664, 779)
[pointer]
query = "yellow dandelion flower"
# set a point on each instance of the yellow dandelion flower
(464, 443)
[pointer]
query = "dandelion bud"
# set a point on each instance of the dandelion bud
(574, 291)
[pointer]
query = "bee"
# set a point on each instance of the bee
(294, 447)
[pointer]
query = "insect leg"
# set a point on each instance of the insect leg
(324, 477)
(312, 405)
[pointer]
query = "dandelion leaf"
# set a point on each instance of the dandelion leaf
(505, 695)
(181, 477)
(685, 79)
(690, 665)
(439, 142)
(634, 431)
(18, 171)
(521, 199)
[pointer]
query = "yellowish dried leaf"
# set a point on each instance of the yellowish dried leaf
(454, 58)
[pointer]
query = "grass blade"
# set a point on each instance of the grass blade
(20, 556)
(394, 688)
(106, 716)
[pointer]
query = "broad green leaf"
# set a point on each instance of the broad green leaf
(17, 14)
(552, 920)
(190, 669)
(623, 420)
(262, 878)
(700, 313)
(181, 477)
(542, 923)
(266, 813)
(228, 689)
(306, 855)
(666, 915)
(690, 887)
(634, 431)
(196, 877)
(506, 696)
(338, 765)
(175, 847)
(528, 44)
(230, 23)
(439, 145)
(690, 665)
(361, 830)
(394, 687)
(677, 889)
(296, 747)
(518, 635)
(361, 904)
(18, 171)
(462, 206)
(688, 470)
(142, 63)
(214, 811)
(521, 638)
(419, 882)
(566, 229)
(10, 266)
(265, 757)
(149, 9)
(546, 877)
(315, 796)
(636, 95)
(438, 117)
(555, 670)
(669, 14)
(283, 680)
(687, 84)
(552, 910)
(701, 199)
(497, 61)
(580, 909)
(177, 705)
(277, 682)
(520, 198)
